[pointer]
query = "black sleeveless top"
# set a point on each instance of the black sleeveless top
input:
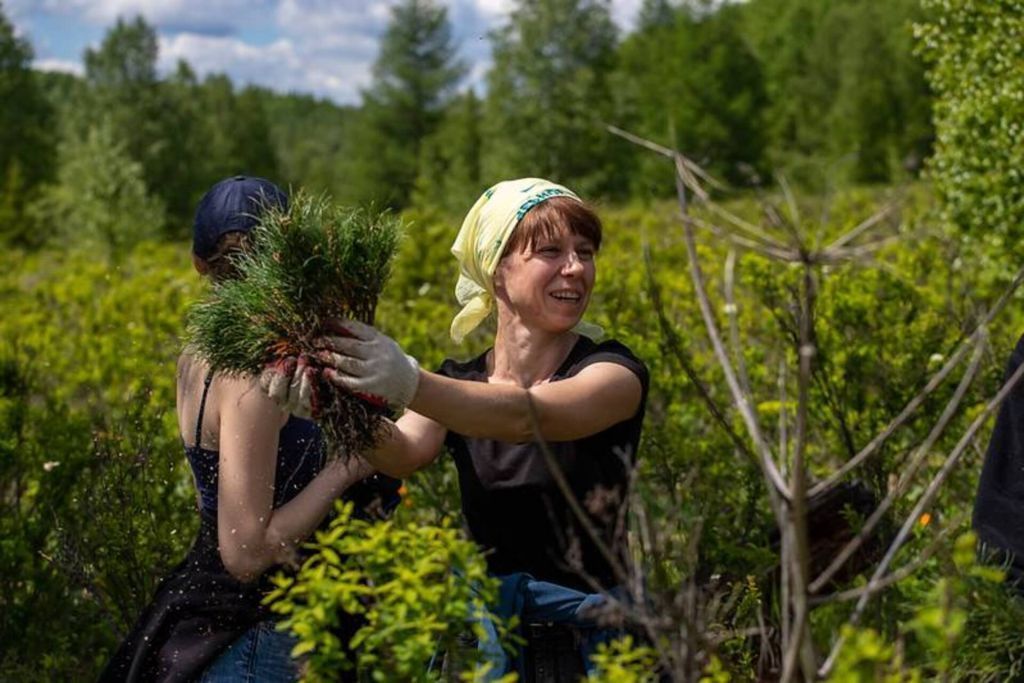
(199, 609)
(511, 503)
(300, 457)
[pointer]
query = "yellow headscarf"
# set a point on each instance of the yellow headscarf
(481, 241)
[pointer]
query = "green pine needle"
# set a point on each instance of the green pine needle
(315, 263)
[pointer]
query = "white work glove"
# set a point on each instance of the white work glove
(370, 362)
(291, 383)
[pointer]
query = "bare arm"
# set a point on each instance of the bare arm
(252, 535)
(601, 395)
(414, 441)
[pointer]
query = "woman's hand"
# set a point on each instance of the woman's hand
(290, 383)
(370, 362)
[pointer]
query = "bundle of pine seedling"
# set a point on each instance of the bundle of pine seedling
(304, 269)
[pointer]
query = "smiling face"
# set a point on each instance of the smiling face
(546, 277)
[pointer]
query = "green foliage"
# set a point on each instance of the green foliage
(315, 264)
(623, 661)
(847, 101)
(99, 197)
(868, 658)
(413, 80)
(27, 136)
(417, 587)
(314, 142)
(976, 68)
(97, 501)
(960, 626)
(672, 58)
(548, 96)
(449, 170)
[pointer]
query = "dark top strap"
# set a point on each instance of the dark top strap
(202, 407)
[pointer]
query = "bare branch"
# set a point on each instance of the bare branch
(667, 152)
(792, 225)
(761, 244)
(862, 227)
(676, 348)
(920, 455)
(740, 399)
(855, 252)
(797, 647)
(746, 226)
(686, 170)
(896, 576)
(922, 503)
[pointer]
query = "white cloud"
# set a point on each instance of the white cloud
(280, 66)
(624, 13)
(492, 9)
(60, 65)
(217, 16)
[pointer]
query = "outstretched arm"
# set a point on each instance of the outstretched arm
(601, 395)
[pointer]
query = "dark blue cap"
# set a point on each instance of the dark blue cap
(232, 205)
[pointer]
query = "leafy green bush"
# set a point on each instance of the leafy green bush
(623, 661)
(97, 500)
(976, 59)
(99, 197)
(417, 587)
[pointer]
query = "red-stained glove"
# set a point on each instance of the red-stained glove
(366, 361)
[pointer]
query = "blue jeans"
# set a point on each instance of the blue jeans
(260, 655)
(541, 601)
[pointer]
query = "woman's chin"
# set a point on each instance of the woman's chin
(562, 325)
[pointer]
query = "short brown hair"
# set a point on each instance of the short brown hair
(221, 262)
(547, 218)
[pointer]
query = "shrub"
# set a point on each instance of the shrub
(417, 588)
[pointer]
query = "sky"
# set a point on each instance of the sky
(319, 47)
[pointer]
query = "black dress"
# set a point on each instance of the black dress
(199, 609)
(999, 505)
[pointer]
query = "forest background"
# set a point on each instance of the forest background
(814, 116)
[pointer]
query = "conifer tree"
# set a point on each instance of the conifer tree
(26, 135)
(549, 96)
(844, 90)
(414, 79)
(125, 90)
(688, 80)
(100, 198)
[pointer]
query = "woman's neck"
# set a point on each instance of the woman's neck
(528, 357)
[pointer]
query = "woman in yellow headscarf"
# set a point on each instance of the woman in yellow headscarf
(527, 251)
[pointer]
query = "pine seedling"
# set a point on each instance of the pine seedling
(309, 266)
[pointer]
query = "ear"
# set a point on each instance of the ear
(499, 276)
(201, 265)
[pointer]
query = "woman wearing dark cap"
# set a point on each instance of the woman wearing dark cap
(264, 485)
